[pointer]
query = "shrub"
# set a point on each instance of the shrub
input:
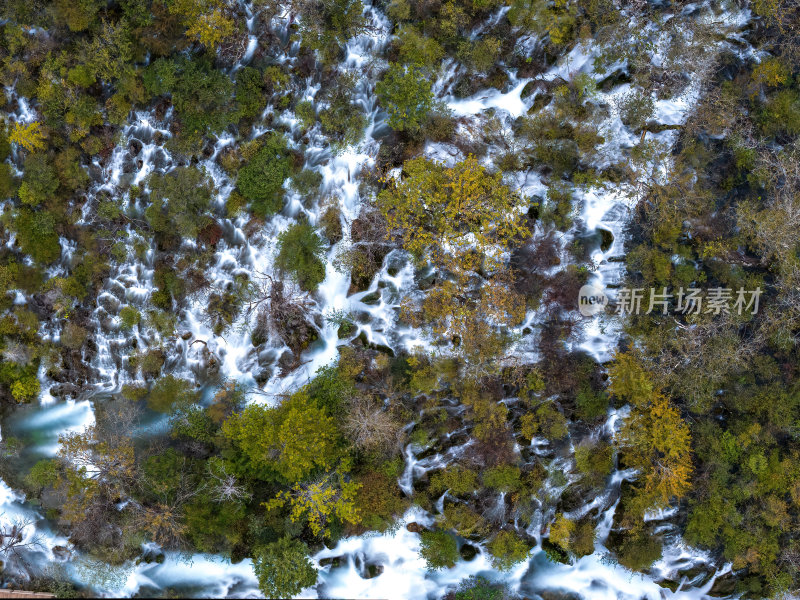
(249, 92)
(379, 500)
(591, 404)
(170, 391)
(405, 93)
(306, 114)
(342, 120)
(595, 461)
(505, 478)
(300, 253)
(43, 474)
(507, 550)
(636, 108)
(130, 317)
(39, 183)
(261, 179)
(455, 480)
(26, 388)
(638, 551)
(439, 549)
(418, 49)
(545, 421)
(479, 588)
(331, 223)
(201, 94)
(306, 183)
(283, 568)
(179, 202)
(73, 336)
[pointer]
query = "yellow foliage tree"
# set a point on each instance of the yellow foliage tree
(210, 29)
(28, 136)
(204, 20)
(460, 217)
(461, 220)
(653, 439)
(317, 502)
(561, 531)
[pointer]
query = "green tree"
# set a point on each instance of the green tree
(261, 179)
(283, 568)
(290, 440)
(507, 550)
(36, 235)
(406, 94)
(179, 202)
(249, 92)
(170, 391)
(317, 502)
(439, 549)
(300, 253)
(456, 215)
(39, 181)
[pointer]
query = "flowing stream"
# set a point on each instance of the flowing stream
(344, 569)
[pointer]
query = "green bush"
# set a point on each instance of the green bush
(439, 549)
(130, 317)
(342, 120)
(39, 182)
(595, 461)
(179, 202)
(406, 95)
(300, 253)
(416, 48)
(43, 474)
(36, 235)
(456, 480)
(505, 478)
(261, 179)
(249, 92)
(170, 391)
(479, 588)
(639, 550)
(201, 94)
(507, 550)
(283, 568)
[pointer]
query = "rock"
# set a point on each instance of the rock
(61, 552)
(372, 298)
(468, 552)
(334, 562)
(606, 239)
(615, 79)
(345, 330)
(558, 595)
(187, 335)
(415, 527)
(372, 571)
(529, 88)
(540, 102)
